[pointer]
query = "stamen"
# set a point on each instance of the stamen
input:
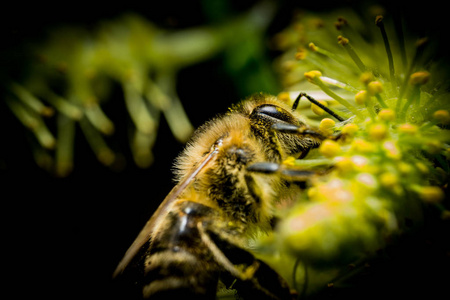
(351, 52)
(32, 120)
(64, 145)
(420, 47)
(137, 109)
(98, 118)
(171, 106)
(313, 47)
(315, 78)
(104, 154)
(380, 24)
(30, 100)
(339, 84)
(416, 80)
(141, 146)
(63, 105)
(375, 88)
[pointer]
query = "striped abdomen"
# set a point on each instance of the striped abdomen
(178, 262)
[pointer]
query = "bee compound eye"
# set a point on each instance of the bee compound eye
(273, 112)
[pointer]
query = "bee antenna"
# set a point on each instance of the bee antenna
(312, 100)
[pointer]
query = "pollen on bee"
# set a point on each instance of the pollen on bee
(289, 161)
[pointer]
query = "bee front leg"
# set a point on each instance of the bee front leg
(313, 137)
(289, 173)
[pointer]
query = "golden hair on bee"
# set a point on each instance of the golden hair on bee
(224, 181)
(247, 138)
(227, 185)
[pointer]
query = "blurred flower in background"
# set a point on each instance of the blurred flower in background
(73, 74)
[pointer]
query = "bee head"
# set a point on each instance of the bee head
(265, 115)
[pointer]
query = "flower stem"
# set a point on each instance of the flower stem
(380, 24)
(30, 100)
(330, 93)
(351, 52)
(420, 46)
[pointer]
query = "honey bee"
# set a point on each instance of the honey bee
(225, 193)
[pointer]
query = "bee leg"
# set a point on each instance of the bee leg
(222, 259)
(290, 173)
(302, 131)
(298, 130)
(255, 279)
(312, 100)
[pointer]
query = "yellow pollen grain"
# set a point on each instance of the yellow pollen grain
(311, 75)
(317, 110)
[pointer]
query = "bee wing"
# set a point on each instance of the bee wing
(164, 208)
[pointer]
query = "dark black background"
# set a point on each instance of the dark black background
(62, 238)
